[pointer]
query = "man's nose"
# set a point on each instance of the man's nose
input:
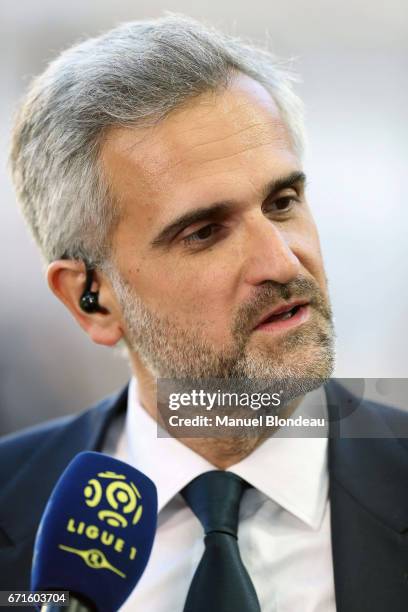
(268, 253)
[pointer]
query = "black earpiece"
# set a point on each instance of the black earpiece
(89, 299)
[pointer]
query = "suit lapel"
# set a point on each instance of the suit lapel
(369, 505)
(30, 488)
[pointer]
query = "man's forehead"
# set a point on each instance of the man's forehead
(210, 134)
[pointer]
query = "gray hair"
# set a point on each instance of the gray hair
(133, 75)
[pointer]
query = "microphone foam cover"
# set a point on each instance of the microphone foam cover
(97, 531)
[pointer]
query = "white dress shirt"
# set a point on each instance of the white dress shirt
(284, 522)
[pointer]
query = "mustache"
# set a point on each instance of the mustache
(271, 293)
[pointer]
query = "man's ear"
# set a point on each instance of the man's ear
(67, 280)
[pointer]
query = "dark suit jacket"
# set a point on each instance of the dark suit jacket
(368, 495)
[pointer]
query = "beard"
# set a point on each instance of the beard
(298, 360)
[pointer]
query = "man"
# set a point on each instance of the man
(159, 168)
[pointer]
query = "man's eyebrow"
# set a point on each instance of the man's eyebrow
(219, 209)
(285, 182)
(193, 216)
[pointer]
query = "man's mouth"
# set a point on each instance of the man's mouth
(284, 316)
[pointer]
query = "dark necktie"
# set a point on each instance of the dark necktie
(221, 582)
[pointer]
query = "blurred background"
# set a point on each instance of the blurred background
(352, 57)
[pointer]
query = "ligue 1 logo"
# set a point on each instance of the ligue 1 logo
(118, 504)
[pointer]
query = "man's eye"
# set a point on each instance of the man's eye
(202, 235)
(283, 204)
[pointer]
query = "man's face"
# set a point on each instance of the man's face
(215, 234)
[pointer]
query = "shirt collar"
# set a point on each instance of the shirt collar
(167, 461)
(292, 471)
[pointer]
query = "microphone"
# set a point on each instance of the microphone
(96, 534)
